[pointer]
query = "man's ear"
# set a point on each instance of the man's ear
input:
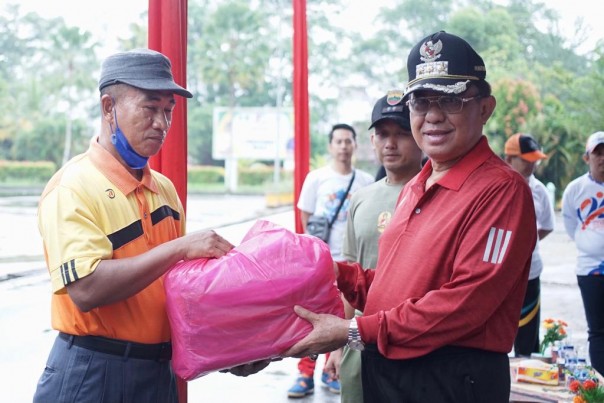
(107, 108)
(586, 158)
(488, 106)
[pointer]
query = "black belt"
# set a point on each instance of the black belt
(126, 349)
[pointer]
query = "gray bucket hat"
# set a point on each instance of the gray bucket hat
(141, 68)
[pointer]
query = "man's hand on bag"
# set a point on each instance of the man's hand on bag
(329, 333)
(204, 244)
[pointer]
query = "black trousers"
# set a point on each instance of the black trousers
(450, 374)
(592, 293)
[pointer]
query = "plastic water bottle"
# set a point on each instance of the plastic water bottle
(581, 371)
(561, 363)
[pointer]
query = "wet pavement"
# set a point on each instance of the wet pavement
(26, 336)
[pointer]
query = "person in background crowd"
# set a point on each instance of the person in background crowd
(111, 227)
(523, 153)
(321, 194)
(370, 212)
(583, 213)
(441, 308)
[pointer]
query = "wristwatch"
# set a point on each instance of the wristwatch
(354, 337)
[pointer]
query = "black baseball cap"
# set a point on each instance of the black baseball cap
(391, 106)
(444, 63)
(140, 68)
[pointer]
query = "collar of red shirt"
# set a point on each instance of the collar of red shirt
(458, 174)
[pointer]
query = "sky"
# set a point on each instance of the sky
(107, 20)
(110, 19)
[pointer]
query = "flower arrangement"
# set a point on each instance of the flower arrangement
(587, 391)
(555, 330)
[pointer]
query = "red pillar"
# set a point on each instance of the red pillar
(168, 35)
(301, 110)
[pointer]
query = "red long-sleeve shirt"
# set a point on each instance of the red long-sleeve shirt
(453, 263)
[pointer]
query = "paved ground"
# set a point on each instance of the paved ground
(24, 295)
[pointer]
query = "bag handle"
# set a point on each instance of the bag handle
(333, 219)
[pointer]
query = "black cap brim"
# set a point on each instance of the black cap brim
(402, 122)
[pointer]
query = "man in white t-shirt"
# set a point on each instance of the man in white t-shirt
(582, 211)
(523, 153)
(322, 193)
(324, 188)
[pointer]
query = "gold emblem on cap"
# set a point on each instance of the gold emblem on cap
(430, 51)
(394, 97)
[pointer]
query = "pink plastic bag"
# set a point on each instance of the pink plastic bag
(239, 308)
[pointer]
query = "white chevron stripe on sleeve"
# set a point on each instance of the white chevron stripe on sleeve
(497, 244)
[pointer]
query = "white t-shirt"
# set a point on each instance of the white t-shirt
(583, 213)
(544, 211)
(321, 193)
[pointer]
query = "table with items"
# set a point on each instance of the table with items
(560, 377)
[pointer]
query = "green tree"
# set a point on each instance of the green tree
(44, 140)
(13, 51)
(229, 51)
(586, 94)
(200, 145)
(563, 147)
(67, 58)
(139, 34)
(52, 80)
(518, 103)
(229, 54)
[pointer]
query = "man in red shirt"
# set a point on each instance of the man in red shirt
(441, 309)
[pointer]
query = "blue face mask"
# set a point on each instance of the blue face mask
(131, 157)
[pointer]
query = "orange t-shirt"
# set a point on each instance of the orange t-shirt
(92, 210)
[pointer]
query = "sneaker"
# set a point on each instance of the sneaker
(304, 386)
(333, 385)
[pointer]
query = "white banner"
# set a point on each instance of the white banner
(253, 133)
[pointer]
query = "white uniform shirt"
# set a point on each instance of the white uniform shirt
(544, 211)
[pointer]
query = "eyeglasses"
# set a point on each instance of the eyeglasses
(446, 103)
